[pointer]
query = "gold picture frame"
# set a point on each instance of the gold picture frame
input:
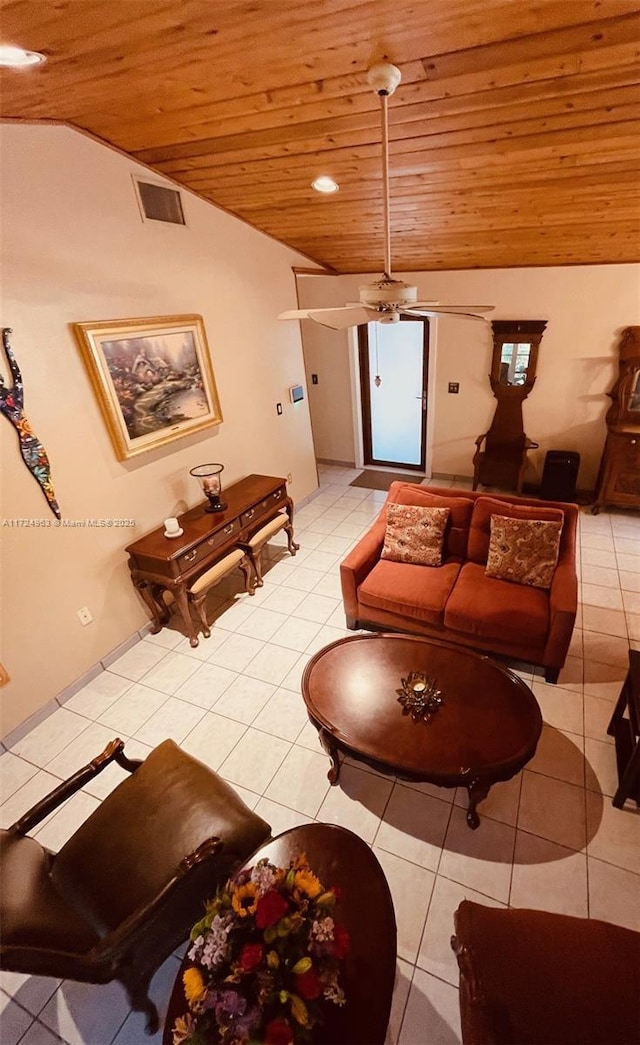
(152, 377)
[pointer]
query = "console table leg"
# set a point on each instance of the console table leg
(331, 748)
(159, 610)
(477, 792)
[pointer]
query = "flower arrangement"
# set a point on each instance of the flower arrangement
(266, 956)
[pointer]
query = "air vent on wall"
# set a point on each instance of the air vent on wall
(159, 203)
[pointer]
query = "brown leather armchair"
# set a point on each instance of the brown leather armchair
(535, 978)
(126, 888)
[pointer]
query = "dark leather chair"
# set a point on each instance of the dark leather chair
(126, 888)
(535, 978)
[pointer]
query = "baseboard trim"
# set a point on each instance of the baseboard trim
(38, 717)
(450, 477)
(18, 732)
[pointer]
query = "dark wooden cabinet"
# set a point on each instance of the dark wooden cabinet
(162, 564)
(619, 475)
(619, 483)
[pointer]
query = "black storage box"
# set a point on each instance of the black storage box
(559, 475)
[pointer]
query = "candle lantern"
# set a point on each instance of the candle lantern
(210, 479)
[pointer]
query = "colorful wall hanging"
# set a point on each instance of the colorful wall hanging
(33, 452)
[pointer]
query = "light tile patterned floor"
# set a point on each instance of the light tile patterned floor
(549, 839)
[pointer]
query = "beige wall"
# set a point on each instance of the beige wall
(585, 308)
(75, 249)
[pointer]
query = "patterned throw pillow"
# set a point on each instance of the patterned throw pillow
(523, 550)
(414, 534)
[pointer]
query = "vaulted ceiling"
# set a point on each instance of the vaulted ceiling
(514, 135)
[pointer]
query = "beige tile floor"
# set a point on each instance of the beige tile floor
(549, 838)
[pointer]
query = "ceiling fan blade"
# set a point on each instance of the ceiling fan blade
(295, 313)
(435, 312)
(341, 318)
(452, 308)
(336, 318)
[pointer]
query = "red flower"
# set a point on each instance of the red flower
(271, 908)
(250, 956)
(308, 984)
(278, 1032)
(341, 941)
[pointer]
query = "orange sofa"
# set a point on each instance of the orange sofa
(456, 600)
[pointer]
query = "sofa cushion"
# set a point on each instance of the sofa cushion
(414, 534)
(497, 610)
(480, 528)
(460, 509)
(524, 551)
(409, 591)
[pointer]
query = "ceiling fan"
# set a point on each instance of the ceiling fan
(386, 299)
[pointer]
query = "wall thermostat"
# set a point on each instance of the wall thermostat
(296, 393)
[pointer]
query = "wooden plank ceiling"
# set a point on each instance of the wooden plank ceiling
(514, 132)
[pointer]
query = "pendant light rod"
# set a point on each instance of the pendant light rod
(384, 78)
(385, 184)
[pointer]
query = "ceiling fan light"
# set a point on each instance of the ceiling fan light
(388, 292)
(323, 183)
(17, 58)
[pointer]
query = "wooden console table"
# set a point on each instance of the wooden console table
(160, 563)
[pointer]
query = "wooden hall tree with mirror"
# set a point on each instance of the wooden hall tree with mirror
(619, 476)
(501, 453)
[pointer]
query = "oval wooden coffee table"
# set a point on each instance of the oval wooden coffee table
(339, 858)
(486, 729)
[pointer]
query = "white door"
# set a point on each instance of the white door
(393, 374)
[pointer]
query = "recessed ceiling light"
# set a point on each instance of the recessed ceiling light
(325, 184)
(18, 58)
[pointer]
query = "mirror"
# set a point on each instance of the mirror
(634, 398)
(625, 394)
(514, 362)
(515, 352)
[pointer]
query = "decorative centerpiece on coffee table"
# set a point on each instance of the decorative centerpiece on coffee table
(419, 696)
(266, 959)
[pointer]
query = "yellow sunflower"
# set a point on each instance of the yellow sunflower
(194, 987)
(307, 883)
(243, 899)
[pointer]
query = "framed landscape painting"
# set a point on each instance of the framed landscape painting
(153, 379)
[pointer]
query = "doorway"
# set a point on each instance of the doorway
(394, 367)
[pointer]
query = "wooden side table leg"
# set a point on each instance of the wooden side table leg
(629, 786)
(476, 791)
(618, 711)
(329, 745)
